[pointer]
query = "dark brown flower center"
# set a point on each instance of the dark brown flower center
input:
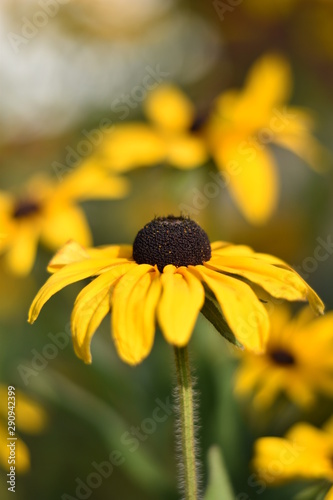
(25, 207)
(171, 240)
(282, 357)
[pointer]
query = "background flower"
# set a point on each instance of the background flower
(298, 361)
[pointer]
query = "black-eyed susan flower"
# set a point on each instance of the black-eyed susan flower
(30, 418)
(298, 360)
(304, 453)
(166, 137)
(46, 210)
(165, 276)
(242, 125)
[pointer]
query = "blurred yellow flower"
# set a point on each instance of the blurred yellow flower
(163, 275)
(304, 453)
(30, 418)
(242, 125)
(298, 360)
(167, 138)
(47, 210)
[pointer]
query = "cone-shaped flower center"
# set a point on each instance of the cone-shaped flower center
(282, 357)
(25, 207)
(171, 240)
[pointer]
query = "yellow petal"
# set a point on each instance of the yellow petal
(295, 461)
(131, 145)
(309, 294)
(252, 178)
(311, 438)
(220, 248)
(69, 253)
(30, 416)
(22, 458)
(135, 299)
(169, 108)
(66, 276)
(186, 151)
(278, 282)
(90, 181)
(182, 298)
(91, 306)
(21, 255)
(241, 308)
(63, 223)
(267, 85)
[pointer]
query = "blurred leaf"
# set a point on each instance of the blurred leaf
(219, 484)
(212, 311)
(141, 466)
(313, 492)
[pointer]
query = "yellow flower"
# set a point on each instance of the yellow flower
(244, 122)
(298, 360)
(29, 417)
(305, 452)
(47, 210)
(163, 276)
(167, 138)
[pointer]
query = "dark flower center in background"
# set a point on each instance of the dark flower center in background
(24, 208)
(171, 240)
(281, 357)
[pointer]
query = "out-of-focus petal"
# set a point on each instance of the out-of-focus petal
(169, 108)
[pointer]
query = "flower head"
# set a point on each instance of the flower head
(165, 138)
(48, 211)
(304, 453)
(298, 360)
(166, 276)
(242, 125)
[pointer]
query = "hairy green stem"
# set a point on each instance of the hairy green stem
(186, 427)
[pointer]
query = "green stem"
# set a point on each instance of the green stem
(186, 417)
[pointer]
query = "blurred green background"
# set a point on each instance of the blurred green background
(62, 81)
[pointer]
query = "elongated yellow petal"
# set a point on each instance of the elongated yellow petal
(186, 151)
(30, 416)
(68, 254)
(310, 437)
(22, 251)
(169, 108)
(182, 298)
(64, 222)
(66, 276)
(131, 145)
(242, 310)
(278, 282)
(91, 306)
(252, 178)
(220, 248)
(90, 181)
(297, 458)
(133, 316)
(22, 459)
